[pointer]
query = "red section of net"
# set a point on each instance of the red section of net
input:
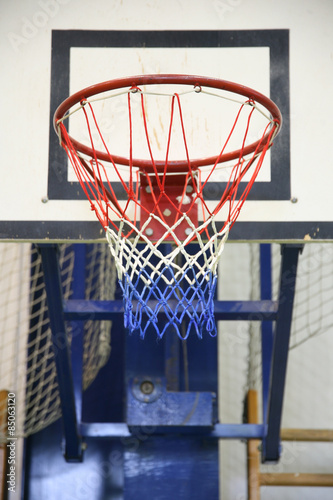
(157, 180)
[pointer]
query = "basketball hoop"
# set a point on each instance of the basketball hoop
(152, 208)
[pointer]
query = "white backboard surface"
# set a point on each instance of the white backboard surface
(52, 48)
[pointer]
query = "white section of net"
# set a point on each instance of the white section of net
(130, 259)
(27, 366)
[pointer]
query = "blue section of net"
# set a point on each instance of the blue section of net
(184, 303)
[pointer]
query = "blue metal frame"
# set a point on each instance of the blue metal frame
(266, 326)
(274, 354)
(255, 310)
(72, 439)
(77, 328)
(279, 355)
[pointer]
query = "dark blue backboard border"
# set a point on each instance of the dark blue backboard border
(278, 188)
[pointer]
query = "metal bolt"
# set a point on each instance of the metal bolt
(148, 190)
(147, 387)
(167, 212)
(45, 199)
(189, 189)
(188, 231)
(294, 200)
(149, 231)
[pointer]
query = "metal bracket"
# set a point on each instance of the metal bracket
(149, 403)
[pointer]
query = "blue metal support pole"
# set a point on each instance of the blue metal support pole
(50, 262)
(224, 310)
(271, 444)
(266, 326)
(219, 431)
(77, 327)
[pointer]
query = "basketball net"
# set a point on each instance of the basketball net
(168, 283)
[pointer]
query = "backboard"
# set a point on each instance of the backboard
(53, 48)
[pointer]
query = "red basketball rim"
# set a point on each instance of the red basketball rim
(200, 81)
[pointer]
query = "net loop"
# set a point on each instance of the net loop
(154, 210)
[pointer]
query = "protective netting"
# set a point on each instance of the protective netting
(254, 374)
(310, 360)
(312, 311)
(27, 366)
(154, 202)
(100, 284)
